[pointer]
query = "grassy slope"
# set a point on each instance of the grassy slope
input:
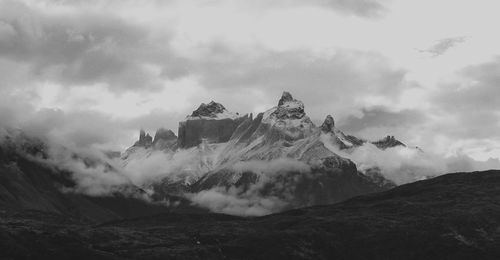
(455, 216)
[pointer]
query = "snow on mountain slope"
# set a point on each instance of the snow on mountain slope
(212, 111)
(212, 146)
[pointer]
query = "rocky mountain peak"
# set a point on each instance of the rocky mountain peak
(328, 124)
(145, 140)
(164, 134)
(289, 108)
(209, 110)
(285, 97)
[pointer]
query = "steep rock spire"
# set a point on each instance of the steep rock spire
(328, 124)
(164, 134)
(145, 140)
(285, 97)
(289, 108)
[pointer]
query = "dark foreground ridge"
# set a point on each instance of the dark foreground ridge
(454, 216)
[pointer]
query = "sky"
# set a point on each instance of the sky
(92, 73)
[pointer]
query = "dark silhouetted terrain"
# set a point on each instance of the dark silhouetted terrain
(454, 216)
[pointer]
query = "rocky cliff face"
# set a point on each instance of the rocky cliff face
(284, 135)
(333, 135)
(145, 140)
(165, 140)
(210, 122)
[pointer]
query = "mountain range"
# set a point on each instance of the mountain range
(279, 154)
(230, 186)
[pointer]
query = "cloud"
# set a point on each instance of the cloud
(366, 8)
(91, 172)
(79, 128)
(339, 82)
(272, 191)
(77, 44)
(230, 202)
(399, 164)
(471, 103)
(84, 48)
(403, 165)
(360, 8)
(186, 165)
(443, 45)
(382, 117)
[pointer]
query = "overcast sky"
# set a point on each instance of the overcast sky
(94, 72)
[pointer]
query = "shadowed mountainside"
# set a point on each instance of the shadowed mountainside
(454, 216)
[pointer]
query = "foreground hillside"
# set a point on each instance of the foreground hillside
(455, 216)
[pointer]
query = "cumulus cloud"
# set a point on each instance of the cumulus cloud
(76, 44)
(78, 48)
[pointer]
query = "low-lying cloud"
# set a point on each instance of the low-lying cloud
(408, 164)
(270, 193)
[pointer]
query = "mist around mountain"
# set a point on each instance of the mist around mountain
(232, 163)
(454, 216)
(231, 186)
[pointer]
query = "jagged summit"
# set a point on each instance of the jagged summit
(285, 97)
(165, 140)
(145, 140)
(212, 110)
(209, 110)
(328, 125)
(164, 134)
(289, 108)
(211, 122)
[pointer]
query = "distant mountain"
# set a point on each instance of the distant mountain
(388, 142)
(220, 141)
(29, 181)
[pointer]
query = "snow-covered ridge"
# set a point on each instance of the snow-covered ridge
(289, 114)
(212, 111)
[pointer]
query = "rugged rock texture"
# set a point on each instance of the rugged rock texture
(286, 133)
(145, 140)
(288, 108)
(337, 137)
(212, 123)
(192, 132)
(388, 142)
(209, 110)
(165, 140)
(328, 125)
(220, 140)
